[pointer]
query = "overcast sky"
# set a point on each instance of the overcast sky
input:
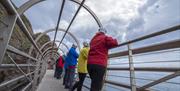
(123, 19)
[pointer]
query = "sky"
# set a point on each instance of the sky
(123, 19)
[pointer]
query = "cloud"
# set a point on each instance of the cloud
(115, 18)
(153, 16)
(63, 24)
(124, 19)
(139, 21)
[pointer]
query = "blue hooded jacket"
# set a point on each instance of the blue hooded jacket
(72, 56)
(65, 62)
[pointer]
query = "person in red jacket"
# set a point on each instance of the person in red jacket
(59, 67)
(97, 58)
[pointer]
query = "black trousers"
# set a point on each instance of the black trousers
(65, 77)
(58, 72)
(79, 84)
(96, 73)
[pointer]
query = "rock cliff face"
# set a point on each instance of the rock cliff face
(21, 42)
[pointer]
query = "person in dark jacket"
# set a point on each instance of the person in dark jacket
(97, 58)
(71, 60)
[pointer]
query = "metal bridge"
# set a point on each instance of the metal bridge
(36, 77)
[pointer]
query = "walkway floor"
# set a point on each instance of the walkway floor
(49, 83)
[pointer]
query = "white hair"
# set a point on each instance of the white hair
(103, 30)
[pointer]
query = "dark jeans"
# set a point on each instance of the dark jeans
(58, 72)
(71, 75)
(65, 80)
(69, 78)
(79, 84)
(55, 72)
(96, 73)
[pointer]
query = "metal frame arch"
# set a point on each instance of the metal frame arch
(31, 3)
(28, 5)
(52, 42)
(50, 48)
(51, 30)
(49, 52)
(48, 55)
(49, 43)
(63, 30)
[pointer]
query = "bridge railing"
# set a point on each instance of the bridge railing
(31, 78)
(172, 45)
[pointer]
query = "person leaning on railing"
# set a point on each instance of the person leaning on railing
(97, 58)
(82, 66)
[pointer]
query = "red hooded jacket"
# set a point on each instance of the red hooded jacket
(60, 62)
(99, 46)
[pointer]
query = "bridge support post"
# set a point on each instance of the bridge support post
(5, 33)
(42, 70)
(36, 75)
(131, 69)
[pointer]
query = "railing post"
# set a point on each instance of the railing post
(131, 70)
(36, 75)
(5, 33)
(42, 65)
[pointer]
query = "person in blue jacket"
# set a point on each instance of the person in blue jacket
(71, 60)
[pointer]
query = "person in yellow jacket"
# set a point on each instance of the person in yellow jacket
(82, 66)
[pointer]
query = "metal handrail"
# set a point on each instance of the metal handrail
(16, 51)
(151, 48)
(12, 11)
(3, 66)
(171, 29)
(14, 80)
(158, 47)
(154, 69)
